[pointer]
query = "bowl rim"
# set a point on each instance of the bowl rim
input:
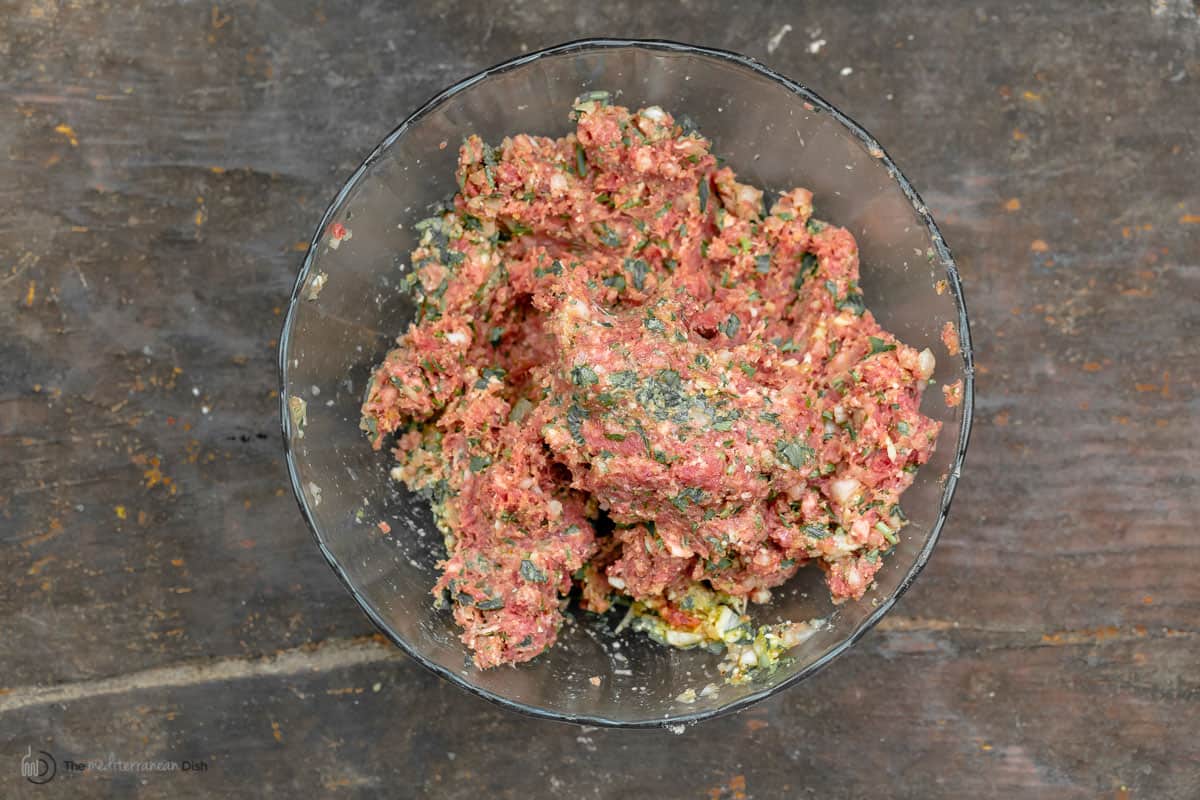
(818, 104)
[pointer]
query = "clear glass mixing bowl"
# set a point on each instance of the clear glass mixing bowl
(776, 134)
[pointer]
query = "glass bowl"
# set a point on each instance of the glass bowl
(346, 311)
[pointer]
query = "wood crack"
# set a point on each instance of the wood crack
(328, 656)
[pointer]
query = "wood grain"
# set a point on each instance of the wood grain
(162, 164)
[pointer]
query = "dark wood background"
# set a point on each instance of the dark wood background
(161, 165)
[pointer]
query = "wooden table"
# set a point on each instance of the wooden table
(160, 599)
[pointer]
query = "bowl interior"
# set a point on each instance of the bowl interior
(776, 136)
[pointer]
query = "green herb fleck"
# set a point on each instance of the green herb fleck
(808, 266)
(816, 531)
(608, 237)
(637, 268)
(583, 375)
(580, 162)
(576, 414)
(854, 302)
(691, 494)
(725, 422)
(879, 345)
(555, 268)
(794, 453)
(730, 326)
(616, 282)
(486, 376)
(530, 572)
(623, 379)
(519, 410)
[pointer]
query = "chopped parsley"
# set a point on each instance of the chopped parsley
(616, 282)
(879, 345)
(730, 326)
(808, 266)
(518, 228)
(637, 269)
(608, 237)
(581, 168)
(519, 410)
(583, 375)
(691, 494)
(816, 531)
(530, 572)
(794, 453)
(486, 376)
(555, 268)
(623, 379)
(576, 414)
(854, 302)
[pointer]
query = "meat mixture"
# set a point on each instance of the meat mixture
(631, 380)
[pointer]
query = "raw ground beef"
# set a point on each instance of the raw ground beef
(612, 327)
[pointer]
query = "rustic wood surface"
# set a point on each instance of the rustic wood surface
(162, 163)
